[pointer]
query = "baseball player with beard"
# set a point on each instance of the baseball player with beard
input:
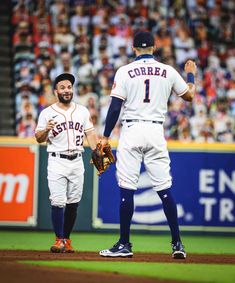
(143, 87)
(63, 126)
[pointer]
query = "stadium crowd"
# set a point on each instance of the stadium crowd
(91, 39)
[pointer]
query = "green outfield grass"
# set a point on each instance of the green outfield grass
(141, 243)
(192, 273)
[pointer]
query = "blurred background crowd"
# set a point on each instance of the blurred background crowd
(91, 39)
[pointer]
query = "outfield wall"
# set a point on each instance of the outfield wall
(203, 186)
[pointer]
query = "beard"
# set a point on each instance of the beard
(62, 99)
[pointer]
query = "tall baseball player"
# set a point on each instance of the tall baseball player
(63, 126)
(143, 88)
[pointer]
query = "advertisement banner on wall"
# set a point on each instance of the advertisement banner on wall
(18, 185)
(203, 187)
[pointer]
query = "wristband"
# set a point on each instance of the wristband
(190, 78)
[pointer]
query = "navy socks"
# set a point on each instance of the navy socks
(170, 211)
(57, 217)
(126, 213)
(127, 209)
(70, 216)
(63, 219)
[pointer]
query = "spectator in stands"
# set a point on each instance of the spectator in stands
(79, 21)
(26, 107)
(22, 35)
(87, 97)
(184, 46)
(27, 126)
(123, 33)
(197, 122)
(230, 61)
(46, 97)
(184, 135)
(206, 132)
(20, 13)
(121, 58)
(100, 17)
(102, 39)
(63, 38)
(163, 40)
(224, 123)
(63, 64)
(86, 72)
(105, 73)
(231, 97)
(59, 11)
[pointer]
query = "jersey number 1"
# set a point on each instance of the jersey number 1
(146, 98)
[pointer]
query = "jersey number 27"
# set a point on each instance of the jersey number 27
(79, 140)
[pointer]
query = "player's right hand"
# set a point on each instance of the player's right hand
(50, 125)
(190, 67)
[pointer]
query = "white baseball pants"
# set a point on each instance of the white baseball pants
(65, 180)
(143, 141)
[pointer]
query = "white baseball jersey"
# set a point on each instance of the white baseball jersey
(68, 133)
(145, 85)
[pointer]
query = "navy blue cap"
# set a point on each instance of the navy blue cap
(64, 77)
(143, 39)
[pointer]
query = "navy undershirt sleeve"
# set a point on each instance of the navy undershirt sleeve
(112, 116)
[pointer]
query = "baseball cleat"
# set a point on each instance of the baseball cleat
(178, 251)
(118, 250)
(58, 246)
(68, 247)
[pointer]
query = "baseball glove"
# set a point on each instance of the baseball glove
(102, 157)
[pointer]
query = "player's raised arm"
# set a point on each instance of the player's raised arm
(190, 69)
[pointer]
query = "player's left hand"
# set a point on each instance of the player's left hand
(190, 67)
(102, 157)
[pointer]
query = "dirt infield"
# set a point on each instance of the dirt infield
(11, 271)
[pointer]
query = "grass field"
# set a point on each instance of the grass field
(191, 273)
(141, 243)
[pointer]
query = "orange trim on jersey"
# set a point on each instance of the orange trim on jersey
(65, 121)
(182, 93)
(118, 96)
(89, 129)
(74, 140)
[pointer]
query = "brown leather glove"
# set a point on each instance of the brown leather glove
(102, 157)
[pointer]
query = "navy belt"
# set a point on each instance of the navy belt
(69, 157)
(137, 120)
